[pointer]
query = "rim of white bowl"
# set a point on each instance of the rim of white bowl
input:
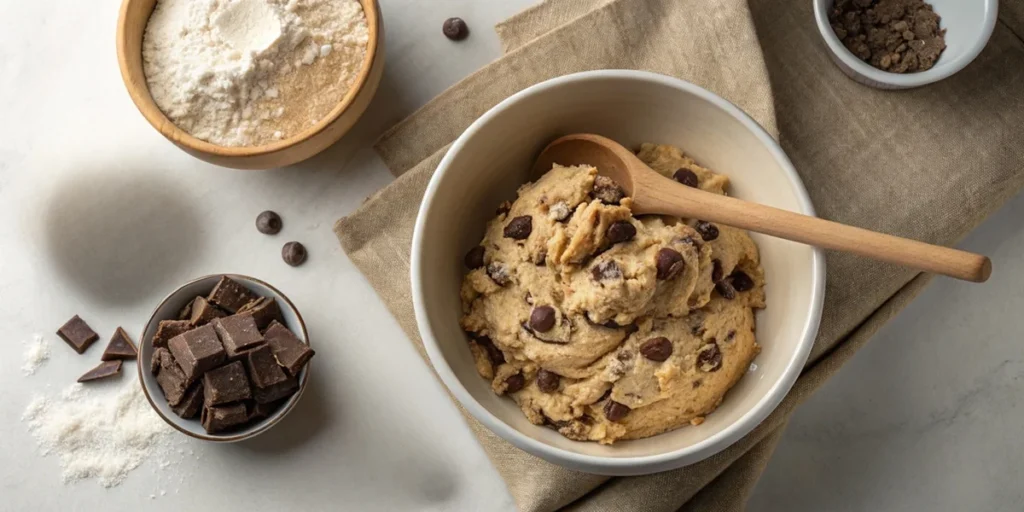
(910, 79)
(647, 463)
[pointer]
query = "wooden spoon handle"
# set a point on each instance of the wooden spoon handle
(673, 198)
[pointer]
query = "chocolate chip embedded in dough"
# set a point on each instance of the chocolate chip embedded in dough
(475, 257)
(615, 411)
(520, 228)
(697, 383)
(621, 231)
(741, 281)
(669, 263)
(709, 358)
(725, 289)
(499, 274)
(515, 383)
(607, 191)
(686, 177)
(730, 335)
(548, 381)
(716, 271)
(707, 230)
(542, 318)
(657, 349)
(606, 271)
(493, 353)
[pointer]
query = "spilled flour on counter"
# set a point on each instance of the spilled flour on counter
(102, 433)
(37, 351)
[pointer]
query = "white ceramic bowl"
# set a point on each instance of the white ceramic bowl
(968, 25)
(492, 158)
(168, 310)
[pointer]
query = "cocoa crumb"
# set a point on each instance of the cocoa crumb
(898, 36)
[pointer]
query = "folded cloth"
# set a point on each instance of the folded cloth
(929, 163)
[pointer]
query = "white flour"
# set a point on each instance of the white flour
(36, 353)
(222, 70)
(97, 433)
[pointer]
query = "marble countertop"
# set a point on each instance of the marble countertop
(102, 217)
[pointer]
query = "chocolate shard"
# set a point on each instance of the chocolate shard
(223, 417)
(291, 353)
(191, 403)
(102, 371)
(120, 347)
(230, 295)
(77, 334)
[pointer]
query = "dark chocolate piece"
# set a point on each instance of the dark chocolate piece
(225, 384)
(269, 223)
(291, 353)
(202, 312)
(220, 418)
(77, 334)
(455, 29)
(293, 253)
(168, 329)
(237, 333)
(191, 403)
(169, 376)
(197, 351)
(258, 411)
(230, 295)
(186, 312)
(276, 392)
(120, 347)
(262, 367)
(263, 310)
(102, 371)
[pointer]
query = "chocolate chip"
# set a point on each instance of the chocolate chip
(707, 230)
(730, 335)
(624, 356)
(725, 289)
(606, 271)
(542, 259)
(709, 359)
(293, 253)
(669, 263)
(607, 191)
(503, 208)
(547, 381)
(475, 257)
(657, 349)
(686, 177)
(716, 271)
(697, 383)
(515, 383)
(741, 281)
(455, 29)
(615, 411)
(493, 353)
(621, 231)
(499, 274)
(631, 328)
(269, 223)
(542, 318)
(520, 227)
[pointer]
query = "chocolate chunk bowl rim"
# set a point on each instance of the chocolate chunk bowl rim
(266, 423)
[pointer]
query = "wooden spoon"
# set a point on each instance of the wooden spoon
(653, 193)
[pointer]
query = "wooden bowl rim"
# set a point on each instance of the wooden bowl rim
(139, 92)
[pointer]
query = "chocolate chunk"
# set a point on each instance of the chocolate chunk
(263, 312)
(230, 295)
(119, 347)
(687, 177)
(291, 353)
(293, 253)
(197, 351)
(542, 318)
(548, 381)
(707, 230)
(221, 418)
(168, 329)
(77, 334)
(202, 312)
(237, 333)
(258, 411)
(519, 228)
(606, 271)
(709, 358)
(725, 289)
(277, 391)
(493, 353)
(607, 191)
(669, 263)
(499, 274)
(169, 376)
(515, 383)
(475, 257)
(225, 384)
(716, 271)
(262, 367)
(191, 403)
(615, 411)
(730, 335)
(102, 371)
(657, 349)
(621, 231)
(455, 29)
(741, 281)
(269, 223)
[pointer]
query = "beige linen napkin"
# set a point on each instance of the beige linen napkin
(929, 163)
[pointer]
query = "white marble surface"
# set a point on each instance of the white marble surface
(101, 216)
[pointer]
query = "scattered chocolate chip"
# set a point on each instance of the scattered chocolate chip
(606, 270)
(548, 381)
(709, 359)
(520, 228)
(707, 230)
(686, 177)
(77, 334)
(741, 281)
(657, 349)
(716, 271)
(515, 383)
(542, 318)
(475, 257)
(499, 274)
(615, 411)
(559, 211)
(503, 208)
(455, 29)
(293, 253)
(669, 263)
(102, 371)
(607, 191)
(269, 223)
(621, 231)
(725, 289)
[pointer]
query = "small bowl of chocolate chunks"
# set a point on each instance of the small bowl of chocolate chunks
(227, 357)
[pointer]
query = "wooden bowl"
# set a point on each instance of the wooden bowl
(131, 25)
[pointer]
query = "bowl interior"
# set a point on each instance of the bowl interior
(168, 310)
(493, 160)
